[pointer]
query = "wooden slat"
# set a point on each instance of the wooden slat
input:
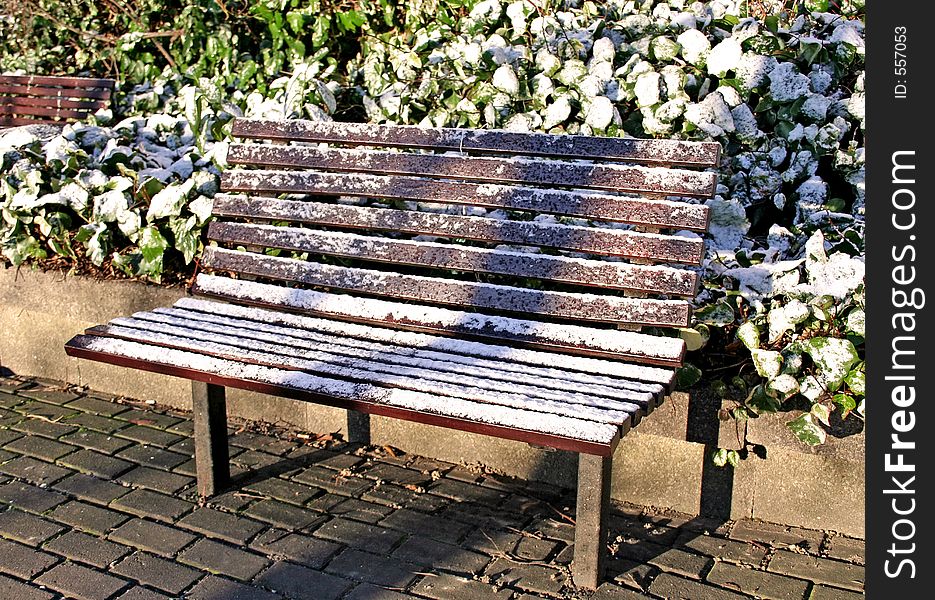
(43, 111)
(562, 269)
(41, 80)
(670, 152)
(451, 292)
(592, 240)
(54, 92)
(557, 365)
(88, 105)
(571, 339)
(648, 180)
(335, 366)
(473, 417)
(488, 374)
(591, 205)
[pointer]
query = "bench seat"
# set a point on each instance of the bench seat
(37, 99)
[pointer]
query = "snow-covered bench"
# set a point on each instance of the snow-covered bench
(474, 294)
(33, 99)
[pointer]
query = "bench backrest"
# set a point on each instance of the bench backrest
(556, 206)
(29, 99)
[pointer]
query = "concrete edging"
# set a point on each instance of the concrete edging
(661, 464)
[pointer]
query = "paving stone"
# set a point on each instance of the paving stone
(302, 583)
(394, 496)
(35, 471)
(29, 497)
(253, 460)
(96, 440)
(260, 442)
(414, 522)
(182, 428)
(153, 457)
(40, 447)
(776, 535)
(824, 592)
(848, 549)
(8, 435)
(152, 537)
(185, 445)
(88, 517)
(149, 436)
(220, 558)
(530, 548)
(302, 549)
(819, 570)
(478, 515)
(80, 582)
(378, 570)
(446, 587)
(724, 549)
(465, 492)
(629, 573)
(149, 418)
(637, 549)
(365, 591)
(562, 531)
(98, 406)
(95, 463)
(49, 395)
(684, 563)
(610, 591)
(232, 500)
(13, 589)
(23, 561)
(758, 583)
(189, 468)
(286, 516)
(329, 459)
(26, 528)
(397, 475)
(166, 575)
(154, 479)
(424, 551)
(39, 414)
(222, 525)
(217, 588)
(674, 587)
(531, 578)
(359, 535)
(92, 489)
(491, 541)
(281, 489)
(146, 503)
(95, 422)
(333, 482)
(141, 593)
(86, 548)
(10, 400)
(643, 529)
(359, 510)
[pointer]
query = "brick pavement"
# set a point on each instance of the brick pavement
(97, 502)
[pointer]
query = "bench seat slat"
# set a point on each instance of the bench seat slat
(620, 276)
(649, 180)
(582, 204)
(588, 341)
(88, 105)
(42, 80)
(54, 92)
(560, 431)
(330, 365)
(592, 240)
(452, 292)
(672, 152)
(578, 369)
(43, 111)
(382, 358)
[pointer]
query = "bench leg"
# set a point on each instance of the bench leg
(591, 520)
(211, 454)
(358, 427)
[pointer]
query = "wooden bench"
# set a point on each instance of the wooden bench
(32, 99)
(519, 341)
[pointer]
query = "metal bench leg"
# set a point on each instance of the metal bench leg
(358, 427)
(212, 463)
(591, 522)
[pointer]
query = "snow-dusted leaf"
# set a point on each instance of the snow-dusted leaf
(807, 430)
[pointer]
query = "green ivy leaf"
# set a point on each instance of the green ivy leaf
(807, 430)
(749, 334)
(845, 402)
(687, 376)
(718, 314)
(762, 401)
(822, 413)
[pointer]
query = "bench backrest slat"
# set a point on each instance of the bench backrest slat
(618, 178)
(39, 99)
(357, 212)
(579, 271)
(593, 240)
(669, 152)
(571, 203)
